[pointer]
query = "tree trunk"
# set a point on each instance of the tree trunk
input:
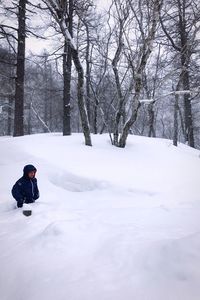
(67, 64)
(81, 102)
(119, 112)
(151, 132)
(29, 120)
(185, 61)
(67, 69)
(129, 123)
(95, 117)
(175, 135)
(52, 99)
(181, 120)
(19, 82)
(189, 135)
(46, 94)
(10, 107)
(88, 96)
(10, 98)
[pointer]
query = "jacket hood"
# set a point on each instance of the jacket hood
(29, 168)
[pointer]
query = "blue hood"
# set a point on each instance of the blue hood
(29, 168)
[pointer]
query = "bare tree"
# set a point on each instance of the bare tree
(185, 17)
(143, 56)
(58, 11)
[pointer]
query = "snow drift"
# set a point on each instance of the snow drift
(110, 224)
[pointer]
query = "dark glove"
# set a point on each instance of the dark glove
(20, 203)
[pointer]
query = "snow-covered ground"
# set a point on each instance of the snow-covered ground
(111, 224)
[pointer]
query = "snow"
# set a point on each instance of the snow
(148, 101)
(110, 224)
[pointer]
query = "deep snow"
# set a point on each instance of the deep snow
(110, 224)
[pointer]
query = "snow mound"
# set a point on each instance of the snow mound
(110, 224)
(74, 183)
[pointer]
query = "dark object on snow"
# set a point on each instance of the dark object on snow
(25, 189)
(27, 213)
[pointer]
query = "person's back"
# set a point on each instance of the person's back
(25, 190)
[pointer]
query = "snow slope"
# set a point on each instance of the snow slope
(110, 224)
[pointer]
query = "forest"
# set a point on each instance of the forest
(129, 67)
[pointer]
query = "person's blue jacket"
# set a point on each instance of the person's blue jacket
(25, 189)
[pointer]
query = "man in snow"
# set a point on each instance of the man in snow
(25, 189)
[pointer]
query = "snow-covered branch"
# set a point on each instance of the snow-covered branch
(39, 118)
(148, 101)
(190, 92)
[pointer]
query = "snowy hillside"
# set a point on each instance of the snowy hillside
(111, 224)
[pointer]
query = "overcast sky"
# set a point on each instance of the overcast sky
(37, 45)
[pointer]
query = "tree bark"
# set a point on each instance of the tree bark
(67, 69)
(19, 82)
(189, 134)
(46, 94)
(120, 109)
(132, 119)
(95, 117)
(176, 107)
(10, 108)
(81, 102)
(151, 115)
(185, 60)
(67, 63)
(88, 96)
(175, 134)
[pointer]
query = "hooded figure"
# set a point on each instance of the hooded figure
(25, 189)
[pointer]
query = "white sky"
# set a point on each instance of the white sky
(38, 45)
(103, 3)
